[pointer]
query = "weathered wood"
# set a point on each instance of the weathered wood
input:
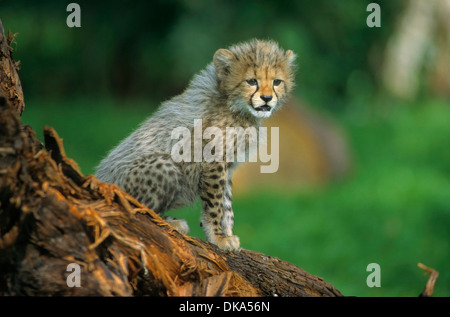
(10, 85)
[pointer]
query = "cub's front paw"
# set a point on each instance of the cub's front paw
(230, 243)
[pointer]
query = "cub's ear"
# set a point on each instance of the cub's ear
(222, 61)
(290, 57)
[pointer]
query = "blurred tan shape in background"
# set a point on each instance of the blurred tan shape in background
(313, 151)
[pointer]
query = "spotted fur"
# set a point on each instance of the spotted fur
(243, 85)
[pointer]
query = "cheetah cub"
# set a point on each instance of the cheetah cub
(243, 85)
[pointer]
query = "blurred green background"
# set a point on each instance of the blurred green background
(96, 83)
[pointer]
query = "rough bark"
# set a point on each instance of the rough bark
(10, 85)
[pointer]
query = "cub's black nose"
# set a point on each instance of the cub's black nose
(266, 98)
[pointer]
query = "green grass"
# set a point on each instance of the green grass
(393, 210)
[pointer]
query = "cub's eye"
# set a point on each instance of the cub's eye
(252, 82)
(277, 82)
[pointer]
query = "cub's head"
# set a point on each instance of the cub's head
(255, 77)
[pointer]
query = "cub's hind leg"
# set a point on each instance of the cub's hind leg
(155, 181)
(179, 224)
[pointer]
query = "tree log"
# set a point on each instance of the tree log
(53, 220)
